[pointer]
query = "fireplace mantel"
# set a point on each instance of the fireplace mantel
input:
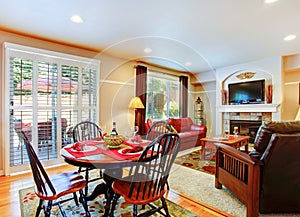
(249, 108)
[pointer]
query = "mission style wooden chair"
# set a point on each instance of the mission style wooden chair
(51, 189)
(266, 180)
(147, 179)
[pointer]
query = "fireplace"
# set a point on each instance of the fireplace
(246, 127)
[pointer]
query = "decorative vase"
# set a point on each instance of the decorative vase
(269, 93)
(224, 97)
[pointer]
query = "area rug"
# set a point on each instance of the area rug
(193, 161)
(201, 187)
(29, 202)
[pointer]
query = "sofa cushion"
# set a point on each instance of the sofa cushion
(192, 134)
(176, 123)
(181, 124)
(199, 128)
(266, 130)
(148, 124)
(186, 124)
(189, 135)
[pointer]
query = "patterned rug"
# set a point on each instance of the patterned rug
(193, 161)
(29, 202)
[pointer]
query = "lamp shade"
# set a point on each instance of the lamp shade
(136, 103)
(298, 115)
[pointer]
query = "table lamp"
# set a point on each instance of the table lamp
(136, 103)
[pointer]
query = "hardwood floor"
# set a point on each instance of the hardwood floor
(10, 186)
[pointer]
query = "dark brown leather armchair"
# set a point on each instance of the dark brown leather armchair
(268, 179)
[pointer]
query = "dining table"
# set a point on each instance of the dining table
(97, 154)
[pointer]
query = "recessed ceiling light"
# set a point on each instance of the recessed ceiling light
(76, 19)
(147, 50)
(289, 37)
(188, 63)
(270, 1)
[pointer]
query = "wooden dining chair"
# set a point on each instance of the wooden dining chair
(147, 179)
(158, 128)
(87, 130)
(52, 189)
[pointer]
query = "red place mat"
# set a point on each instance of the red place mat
(114, 153)
(78, 154)
(133, 144)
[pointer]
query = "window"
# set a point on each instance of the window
(47, 94)
(162, 96)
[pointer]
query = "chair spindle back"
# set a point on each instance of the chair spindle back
(158, 128)
(86, 130)
(151, 172)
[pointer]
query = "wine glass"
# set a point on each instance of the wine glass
(134, 131)
(103, 128)
(128, 134)
(226, 133)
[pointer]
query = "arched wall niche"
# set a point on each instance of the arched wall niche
(258, 75)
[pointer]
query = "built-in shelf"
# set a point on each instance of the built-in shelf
(249, 108)
(292, 70)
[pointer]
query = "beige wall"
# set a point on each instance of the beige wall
(116, 91)
(291, 80)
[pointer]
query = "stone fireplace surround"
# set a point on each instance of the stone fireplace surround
(247, 118)
(267, 69)
(247, 122)
(247, 128)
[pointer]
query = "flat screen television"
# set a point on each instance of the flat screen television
(247, 92)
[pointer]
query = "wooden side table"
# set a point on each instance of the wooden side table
(235, 143)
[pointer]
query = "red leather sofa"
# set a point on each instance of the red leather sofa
(189, 133)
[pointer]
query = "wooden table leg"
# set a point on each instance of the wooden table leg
(247, 148)
(202, 144)
(109, 176)
(99, 189)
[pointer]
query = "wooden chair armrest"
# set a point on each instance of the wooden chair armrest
(240, 173)
(241, 156)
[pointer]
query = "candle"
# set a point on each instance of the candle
(235, 129)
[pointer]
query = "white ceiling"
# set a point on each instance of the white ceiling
(208, 33)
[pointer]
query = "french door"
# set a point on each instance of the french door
(46, 94)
